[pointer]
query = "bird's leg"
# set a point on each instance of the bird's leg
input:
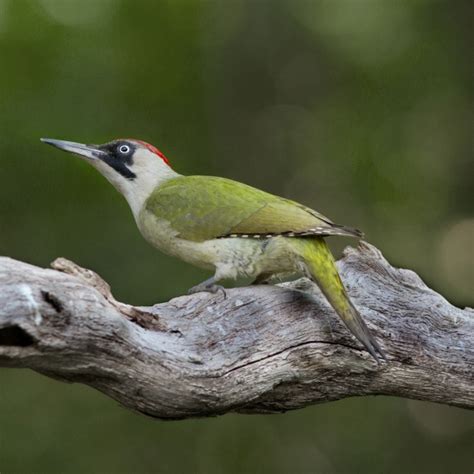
(208, 286)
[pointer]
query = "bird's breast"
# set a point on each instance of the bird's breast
(240, 257)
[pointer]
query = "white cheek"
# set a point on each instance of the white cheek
(149, 171)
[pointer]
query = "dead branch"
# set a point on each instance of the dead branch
(263, 349)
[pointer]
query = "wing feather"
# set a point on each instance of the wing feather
(202, 207)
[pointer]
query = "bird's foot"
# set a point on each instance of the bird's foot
(208, 287)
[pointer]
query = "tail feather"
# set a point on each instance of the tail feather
(321, 267)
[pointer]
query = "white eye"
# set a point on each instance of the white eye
(124, 149)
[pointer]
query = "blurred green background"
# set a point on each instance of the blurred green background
(360, 109)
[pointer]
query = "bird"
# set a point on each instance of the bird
(225, 226)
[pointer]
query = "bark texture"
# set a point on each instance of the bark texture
(263, 349)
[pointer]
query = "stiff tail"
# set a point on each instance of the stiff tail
(320, 266)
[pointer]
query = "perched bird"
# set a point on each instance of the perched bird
(222, 225)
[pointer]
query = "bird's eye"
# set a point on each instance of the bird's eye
(124, 149)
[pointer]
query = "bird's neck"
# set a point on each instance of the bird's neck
(144, 185)
(137, 190)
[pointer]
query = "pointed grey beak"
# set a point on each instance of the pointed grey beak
(86, 151)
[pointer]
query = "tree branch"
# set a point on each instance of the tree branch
(263, 349)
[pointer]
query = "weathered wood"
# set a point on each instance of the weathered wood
(263, 349)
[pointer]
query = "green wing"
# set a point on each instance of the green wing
(203, 207)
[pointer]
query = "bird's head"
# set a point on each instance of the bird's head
(134, 167)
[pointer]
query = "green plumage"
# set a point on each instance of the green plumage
(204, 207)
(321, 268)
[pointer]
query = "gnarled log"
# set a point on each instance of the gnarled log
(263, 349)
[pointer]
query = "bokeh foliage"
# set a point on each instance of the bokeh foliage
(360, 109)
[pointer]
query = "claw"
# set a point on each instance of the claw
(207, 288)
(222, 289)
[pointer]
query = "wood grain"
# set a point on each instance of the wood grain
(263, 349)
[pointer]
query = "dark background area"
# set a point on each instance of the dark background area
(361, 110)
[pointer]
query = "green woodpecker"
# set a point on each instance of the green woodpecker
(224, 226)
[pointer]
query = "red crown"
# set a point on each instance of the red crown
(153, 149)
